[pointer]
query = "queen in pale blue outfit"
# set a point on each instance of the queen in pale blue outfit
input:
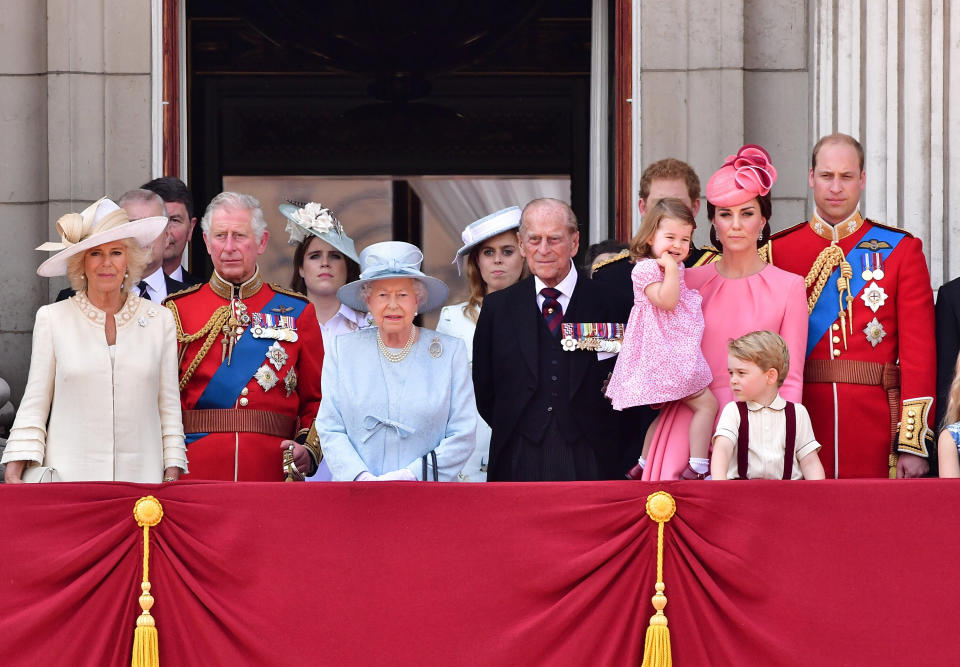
(398, 399)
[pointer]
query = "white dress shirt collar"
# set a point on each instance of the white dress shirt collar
(156, 285)
(565, 286)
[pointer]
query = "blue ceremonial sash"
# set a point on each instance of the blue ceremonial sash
(249, 354)
(828, 307)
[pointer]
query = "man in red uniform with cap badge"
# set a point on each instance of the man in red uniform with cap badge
(250, 358)
(870, 373)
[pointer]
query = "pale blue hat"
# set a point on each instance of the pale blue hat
(316, 219)
(392, 259)
(486, 228)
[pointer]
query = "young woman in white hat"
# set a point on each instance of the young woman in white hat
(102, 401)
(491, 256)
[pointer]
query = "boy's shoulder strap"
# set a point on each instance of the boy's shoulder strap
(790, 412)
(743, 440)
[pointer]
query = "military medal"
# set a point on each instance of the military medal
(277, 327)
(290, 381)
(233, 329)
(591, 336)
(873, 296)
(276, 355)
(266, 378)
(872, 266)
(874, 331)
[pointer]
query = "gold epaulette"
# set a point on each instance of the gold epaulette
(708, 255)
(289, 292)
(892, 229)
(183, 292)
(623, 254)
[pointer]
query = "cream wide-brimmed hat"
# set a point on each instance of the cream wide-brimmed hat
(485, 228)
(316, 219)
(101, 222)
(392, 259)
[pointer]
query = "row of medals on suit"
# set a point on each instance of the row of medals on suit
(240, 319)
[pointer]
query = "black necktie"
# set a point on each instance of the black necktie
(143, 290)
(552, 310)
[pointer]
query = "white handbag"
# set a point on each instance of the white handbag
(36, 474)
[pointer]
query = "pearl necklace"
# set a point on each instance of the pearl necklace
(396, 357)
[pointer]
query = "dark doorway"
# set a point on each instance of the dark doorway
(504, 92)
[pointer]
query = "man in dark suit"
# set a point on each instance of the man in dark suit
(544, 402)
(179, 203)
(948, 343)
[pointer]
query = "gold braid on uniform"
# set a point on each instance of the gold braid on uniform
(211, 329)
(830, 258)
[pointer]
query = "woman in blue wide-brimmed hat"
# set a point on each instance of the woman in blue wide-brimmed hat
(398, 399)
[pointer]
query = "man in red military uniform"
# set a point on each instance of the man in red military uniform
(250, 358)
(870, 372)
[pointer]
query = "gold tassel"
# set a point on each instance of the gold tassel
(146, 644)
(656, 649)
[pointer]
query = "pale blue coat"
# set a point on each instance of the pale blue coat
(380, 416)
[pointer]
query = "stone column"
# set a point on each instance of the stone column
(719, 73)
(74, 125)
(888, 73)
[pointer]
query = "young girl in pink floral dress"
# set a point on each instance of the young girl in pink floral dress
(661, 359)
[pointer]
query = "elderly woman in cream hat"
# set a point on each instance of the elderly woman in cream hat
(397, 399)
(101, 401)
(491, 258)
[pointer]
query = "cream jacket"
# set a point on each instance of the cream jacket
(93, 419)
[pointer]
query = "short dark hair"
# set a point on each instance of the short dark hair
(172, 189)
(837, 138)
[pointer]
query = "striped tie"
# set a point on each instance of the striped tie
(552, 310)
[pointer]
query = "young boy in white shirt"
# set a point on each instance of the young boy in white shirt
(777, 441)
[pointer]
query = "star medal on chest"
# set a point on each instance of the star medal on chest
(872, 262)
(277, 327)
(290, 381)
(266, 378)
(233, 328)
(874, 332)
(276, 355)
(874, 296)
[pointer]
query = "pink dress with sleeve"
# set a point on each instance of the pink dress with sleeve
(660, 360)
(771, 299)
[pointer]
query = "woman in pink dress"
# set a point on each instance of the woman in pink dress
(741, 293)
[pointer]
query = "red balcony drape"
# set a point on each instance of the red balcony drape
(785, 573)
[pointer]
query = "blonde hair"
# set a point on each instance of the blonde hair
(137, 260)
(953, 397)
(669, 207)
(477, 285)
(765, 349)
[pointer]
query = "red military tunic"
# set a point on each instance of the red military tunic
(892, 321)
(241, 439)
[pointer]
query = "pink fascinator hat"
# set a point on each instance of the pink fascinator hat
(743, 176)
